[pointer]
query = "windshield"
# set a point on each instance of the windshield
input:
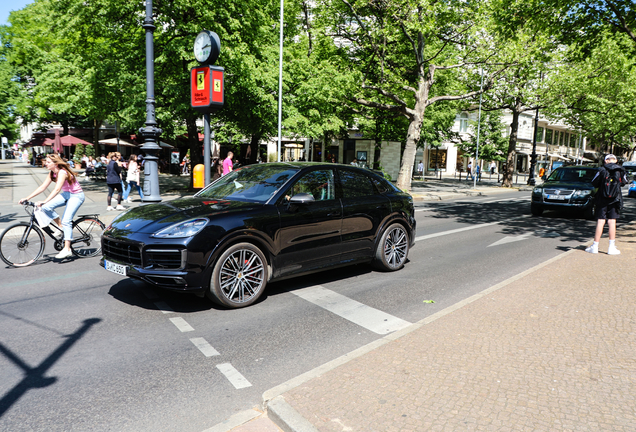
(577, 175)
(255, 183)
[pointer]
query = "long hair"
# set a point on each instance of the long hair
(63, 165)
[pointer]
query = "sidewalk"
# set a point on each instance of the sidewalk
(550, 349)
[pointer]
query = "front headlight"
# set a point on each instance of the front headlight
(581, 193)
(182, 229)
(537, 190)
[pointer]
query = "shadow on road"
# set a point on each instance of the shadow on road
(34, 377)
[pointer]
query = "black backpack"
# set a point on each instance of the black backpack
(611, 185)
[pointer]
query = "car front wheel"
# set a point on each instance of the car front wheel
(393, 248)
(239, 277)
(536, 210)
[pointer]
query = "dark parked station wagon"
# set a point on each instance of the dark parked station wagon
(263, 223)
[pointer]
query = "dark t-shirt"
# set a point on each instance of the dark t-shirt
(113, 171)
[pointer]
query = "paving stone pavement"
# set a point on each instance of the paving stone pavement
(553, 350)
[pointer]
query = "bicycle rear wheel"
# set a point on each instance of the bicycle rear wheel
(21, 244)
(87, 237)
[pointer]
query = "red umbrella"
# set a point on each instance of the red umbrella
(57, 142)
(70, 140)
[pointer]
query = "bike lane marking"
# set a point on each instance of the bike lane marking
(468, 228)
(181, 324)
(358, 313)
(233, 376)
(203, 346)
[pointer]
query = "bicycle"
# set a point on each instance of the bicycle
(23, 243)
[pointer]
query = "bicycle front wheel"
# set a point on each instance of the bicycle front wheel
(21, 244)
(87, 237)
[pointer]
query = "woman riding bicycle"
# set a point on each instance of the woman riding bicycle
(67, 192)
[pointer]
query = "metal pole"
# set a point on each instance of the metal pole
(280, 80)
(150, 133)
(533, 157)
(117, 130)
(206, 148)
(481, 85)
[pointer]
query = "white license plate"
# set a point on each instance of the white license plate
(116, 268)
(557, 197)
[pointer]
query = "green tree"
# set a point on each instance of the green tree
(408, 56)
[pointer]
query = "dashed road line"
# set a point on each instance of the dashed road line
(233, 376)
(203, 346)
(468, 228)
(365, 316)
(181, 324)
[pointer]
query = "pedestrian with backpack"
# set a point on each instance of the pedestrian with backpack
(609, 180)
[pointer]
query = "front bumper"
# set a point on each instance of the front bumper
(571, 203)
(170, 266)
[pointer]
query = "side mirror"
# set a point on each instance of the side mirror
(301, 198)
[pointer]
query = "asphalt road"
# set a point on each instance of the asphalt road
(84, 349)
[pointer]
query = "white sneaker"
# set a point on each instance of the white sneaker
(120, 207)
(592, 249)
(110, 208)
(613, 251)
(129, 201)
(64, 253)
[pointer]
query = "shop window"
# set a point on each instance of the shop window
(548, 136)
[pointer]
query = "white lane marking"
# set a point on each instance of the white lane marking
(468, 228)
(203, 345)
(233, 376)
(365, 316)
(163, 307)
(504, 199)
(181, 324)
(511, 239)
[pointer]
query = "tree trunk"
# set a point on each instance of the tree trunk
(413, 135)
(251, 153)
(196, 155)
(512, 145)
(96, 125)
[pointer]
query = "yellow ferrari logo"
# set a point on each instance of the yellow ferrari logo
(201, 80)
(217, 85)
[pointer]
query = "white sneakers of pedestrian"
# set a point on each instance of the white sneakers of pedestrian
(613, 251)
(64, 253)
(592, 249)
(120, 207)
(110, 208)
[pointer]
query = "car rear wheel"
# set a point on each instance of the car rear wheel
(239, 277)
(536, 210)
(393, 248)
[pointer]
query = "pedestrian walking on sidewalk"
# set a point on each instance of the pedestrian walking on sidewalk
(609, 200)
(113, 180)
(132, 178)
(228, 166)
(469, 170)
(67, 192)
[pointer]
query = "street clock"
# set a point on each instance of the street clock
(207, 47)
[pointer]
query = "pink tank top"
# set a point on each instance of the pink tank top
(72, 188)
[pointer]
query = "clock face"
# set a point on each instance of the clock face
(202, 47)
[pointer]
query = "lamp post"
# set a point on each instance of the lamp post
(481, 86)
(533, 157)
(280, 80)
(151, 132)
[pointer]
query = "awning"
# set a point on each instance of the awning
(113, 142)
(556, 156)
(35, 142)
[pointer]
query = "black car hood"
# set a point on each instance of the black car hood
(154, 217)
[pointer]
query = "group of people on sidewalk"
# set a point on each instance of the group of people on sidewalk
(115, 182)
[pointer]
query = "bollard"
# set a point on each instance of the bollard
(198, 180)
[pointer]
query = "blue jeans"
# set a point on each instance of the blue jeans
(129, 187)
(73, 201)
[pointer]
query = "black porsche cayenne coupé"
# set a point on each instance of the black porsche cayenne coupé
(262, 223)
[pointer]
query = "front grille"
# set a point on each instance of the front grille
(122, 252)
(165, 259)
(558, 192)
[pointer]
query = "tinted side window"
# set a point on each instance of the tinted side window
(320, 184)
(355, 184)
